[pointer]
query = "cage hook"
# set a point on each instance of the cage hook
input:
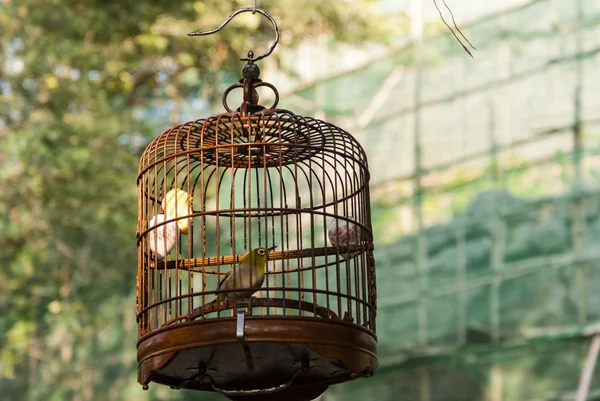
(233, 15)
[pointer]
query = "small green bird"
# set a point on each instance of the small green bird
(250, 273)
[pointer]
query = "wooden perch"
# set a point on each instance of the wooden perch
(189, 264)
(256, 302)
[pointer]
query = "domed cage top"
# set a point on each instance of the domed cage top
(210, 192)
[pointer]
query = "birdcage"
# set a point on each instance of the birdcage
(266, 182)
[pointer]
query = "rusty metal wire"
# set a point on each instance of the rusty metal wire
(253, 10)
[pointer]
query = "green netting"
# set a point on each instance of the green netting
(486, 205)
(490, 306)
(513, 375)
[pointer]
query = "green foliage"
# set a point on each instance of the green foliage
(73, 71)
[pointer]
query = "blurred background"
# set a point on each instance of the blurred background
(485, 177)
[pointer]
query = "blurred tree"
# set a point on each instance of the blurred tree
(72, 72)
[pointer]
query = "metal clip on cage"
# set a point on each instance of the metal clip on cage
(212, 190)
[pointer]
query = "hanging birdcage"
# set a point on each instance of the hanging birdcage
(283, 201)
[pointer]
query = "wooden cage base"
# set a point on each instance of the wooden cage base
(278, 358)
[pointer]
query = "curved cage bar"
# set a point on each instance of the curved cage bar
(212, 190)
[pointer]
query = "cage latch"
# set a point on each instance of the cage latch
(239, 335)
(239, 330)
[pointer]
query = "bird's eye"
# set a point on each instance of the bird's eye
(261, 251)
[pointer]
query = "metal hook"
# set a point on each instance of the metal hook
(240, 11)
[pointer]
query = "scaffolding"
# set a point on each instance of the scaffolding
(486, 197)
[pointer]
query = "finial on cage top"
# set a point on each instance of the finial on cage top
(251, 70)
(251, 59)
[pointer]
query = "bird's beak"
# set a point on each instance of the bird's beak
(271, 248)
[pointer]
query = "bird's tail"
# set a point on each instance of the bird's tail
(219, 298)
